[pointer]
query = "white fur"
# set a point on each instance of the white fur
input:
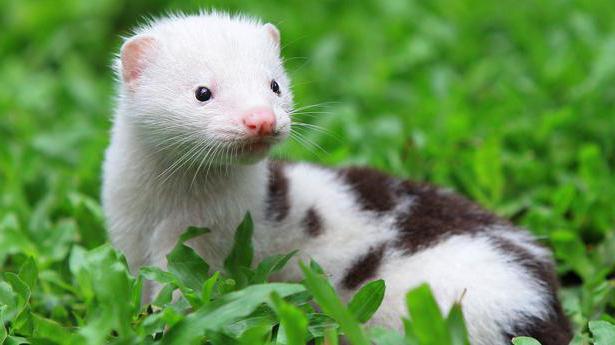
(148, 197)
(465, 268)
(148, 204)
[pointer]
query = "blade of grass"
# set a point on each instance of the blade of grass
(326, 297)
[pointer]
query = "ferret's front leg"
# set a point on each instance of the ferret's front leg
(162, 241)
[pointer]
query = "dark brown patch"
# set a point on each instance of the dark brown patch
(373, 188)
(312, 223)
(540, 270)
(364, 268)
(278, 203)
(555, 330)
(435, 214)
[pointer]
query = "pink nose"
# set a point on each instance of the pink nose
(259, 121)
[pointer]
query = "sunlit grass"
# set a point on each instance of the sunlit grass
(509, 104)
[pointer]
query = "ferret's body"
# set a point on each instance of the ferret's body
(357, 223)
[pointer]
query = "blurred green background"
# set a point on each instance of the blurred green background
(509, 103)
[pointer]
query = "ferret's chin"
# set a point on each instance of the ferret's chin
(253, 152)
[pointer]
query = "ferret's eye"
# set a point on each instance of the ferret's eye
(275, 87)
(202, 93)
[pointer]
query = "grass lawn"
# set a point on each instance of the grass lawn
(509, 103)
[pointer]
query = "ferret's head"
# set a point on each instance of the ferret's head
(208, 88)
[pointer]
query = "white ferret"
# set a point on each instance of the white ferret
(201, 100)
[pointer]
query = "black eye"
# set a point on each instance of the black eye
(275, 87)
(202, 93)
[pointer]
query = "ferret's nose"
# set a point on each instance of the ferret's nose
(260, 121)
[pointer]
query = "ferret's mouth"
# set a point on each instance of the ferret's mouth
(251, 148)
(256, 147)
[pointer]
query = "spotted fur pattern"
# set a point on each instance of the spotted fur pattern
(408, 233)
(358, 223)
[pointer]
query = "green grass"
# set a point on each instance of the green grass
(511, 104)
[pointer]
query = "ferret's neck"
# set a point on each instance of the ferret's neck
(216, 180)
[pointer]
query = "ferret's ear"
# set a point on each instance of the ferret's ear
(274, 33)
(135, 54)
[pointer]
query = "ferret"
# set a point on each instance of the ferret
(202, 99)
